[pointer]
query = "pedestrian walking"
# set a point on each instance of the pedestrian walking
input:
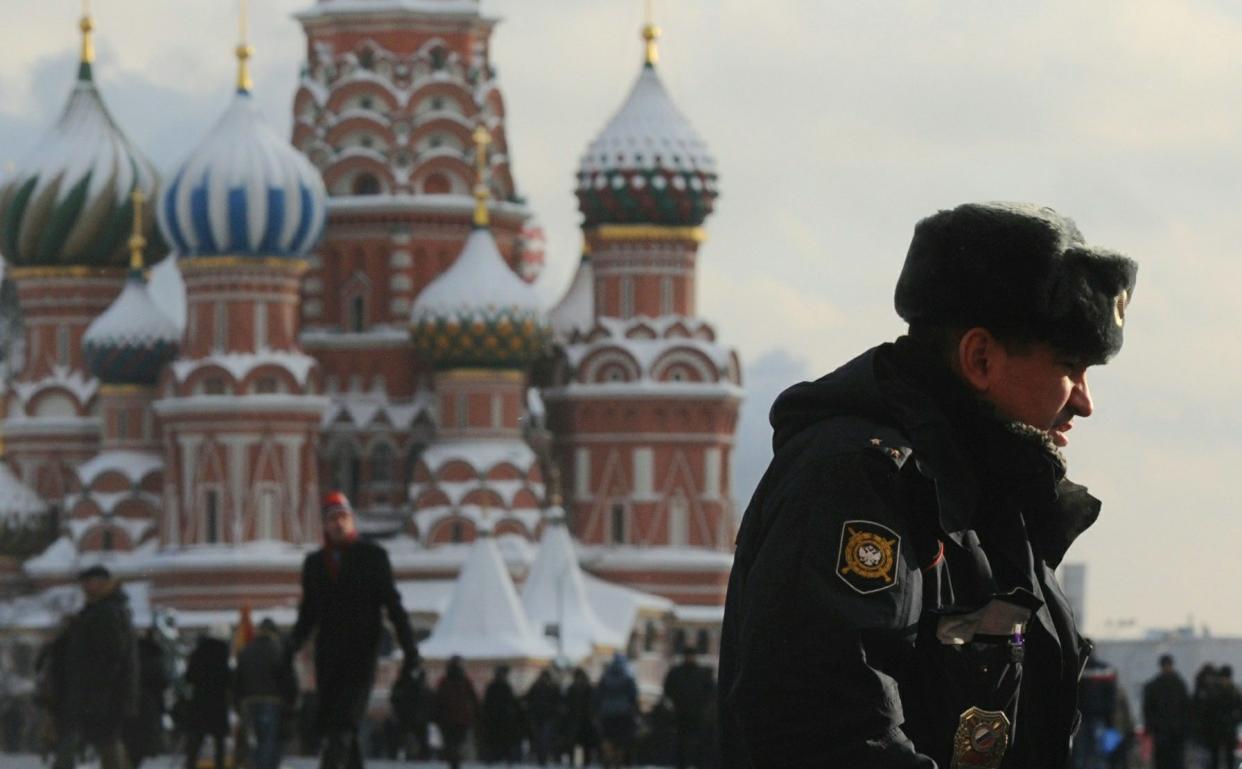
(616, 710)
(543, 714)
(688, 685)
(144, 733)
(101, 674)
(502, 725)
(207, 710)
(346, 585)
(578, 728)
(1224, 712)
(411, 700)
(456, 709)
(1166, 710)
(264, 689)
(892, 600)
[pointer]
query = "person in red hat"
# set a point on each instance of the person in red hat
(345, 585)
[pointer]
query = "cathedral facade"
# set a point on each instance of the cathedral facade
(206, 352)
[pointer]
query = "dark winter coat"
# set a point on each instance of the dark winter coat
(895, 517)
(543, 701)
(616, 703)
(1166, 706)
(502, 717)
(457, 704)
(101, 667)
(207, 673)
(345, 609)
(688, 686)
(144, 732)
(262, 672)
(579, 721)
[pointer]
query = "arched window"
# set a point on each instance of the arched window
(366, 184)
(381, 464)
(617, 524)
(357, 313)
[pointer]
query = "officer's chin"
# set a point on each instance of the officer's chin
(1058, 435)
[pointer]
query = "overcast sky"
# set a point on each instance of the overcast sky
(836, 125)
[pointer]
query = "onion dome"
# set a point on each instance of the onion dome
(648, 166)
(479, 313)
(244, 191)
(133, 339)
(68, 203)
(25, 527)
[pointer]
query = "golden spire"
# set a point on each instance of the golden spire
(244, 52)
(87, 25)
(651, 33)
(136, 242)
(482, 138)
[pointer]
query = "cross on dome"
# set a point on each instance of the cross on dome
(482, 140)
(651, 36)
(244, 51)
(136, 241)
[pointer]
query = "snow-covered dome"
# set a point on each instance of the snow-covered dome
(133, 339)
(23, 524)
(648, 166)
(68, 203)
(244, 192)
(479, 312)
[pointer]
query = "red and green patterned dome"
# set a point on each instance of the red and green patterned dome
(648, 165)
(68, 203)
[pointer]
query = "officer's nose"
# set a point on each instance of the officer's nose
(1080, 397)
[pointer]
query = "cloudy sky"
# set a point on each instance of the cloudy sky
(837, 125)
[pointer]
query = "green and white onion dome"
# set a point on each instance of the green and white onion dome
(479, 313)
(244, 191)
(132, 341)
(68, 203)
(648, 165)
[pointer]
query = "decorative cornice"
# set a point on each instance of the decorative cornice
(206, 263)
(69, 271)
(647, 232)
(473, 374)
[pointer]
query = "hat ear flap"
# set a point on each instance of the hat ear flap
(1088, 303)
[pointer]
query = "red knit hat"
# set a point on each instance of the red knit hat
(336, 500)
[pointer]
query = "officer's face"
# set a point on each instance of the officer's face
(1040, 387)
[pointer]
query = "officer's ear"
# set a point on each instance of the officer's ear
(978, 356)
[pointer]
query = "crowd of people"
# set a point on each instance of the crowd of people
(107, 691)
(1193, 727)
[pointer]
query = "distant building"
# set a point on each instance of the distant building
(352, 310)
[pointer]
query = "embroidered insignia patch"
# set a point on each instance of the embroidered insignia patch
(868, 557)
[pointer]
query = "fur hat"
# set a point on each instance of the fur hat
(1021, 271)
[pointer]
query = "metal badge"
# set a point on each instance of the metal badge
(981, 740)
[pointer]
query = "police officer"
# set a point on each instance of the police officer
(892, 601)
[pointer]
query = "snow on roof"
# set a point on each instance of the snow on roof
(134, 465)
(649, 558)
(482, 454)
(618, 606)
(432, 204)
(243, 191)
(648, 132)
(60, 557)
(364, 408)
(484, 618)
(427, 518)
(41, 610)
(423, 596)
(480, 281)
(167, 290)
(264, 554)
(133, 319)
(19, 504)
(379, 335)
(699, 614)
(135, 528)
(327, 8)
(408, 554)
(555, 594)
(240, 364)
(576, 309)
(75, 381)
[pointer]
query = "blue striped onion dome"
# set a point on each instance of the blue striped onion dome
(68, 203)
(479, 313)
(244, 192)
(132, 340)
(648, 165)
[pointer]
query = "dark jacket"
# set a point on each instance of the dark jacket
(144, 732)
(456, 704)
(688, 686)
(896, 519)
(1166, 706)
(262, 673)
(503, 726)
(207, 673)
(101, 666)
(345, 608)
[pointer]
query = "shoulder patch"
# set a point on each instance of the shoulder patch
(867, 560)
